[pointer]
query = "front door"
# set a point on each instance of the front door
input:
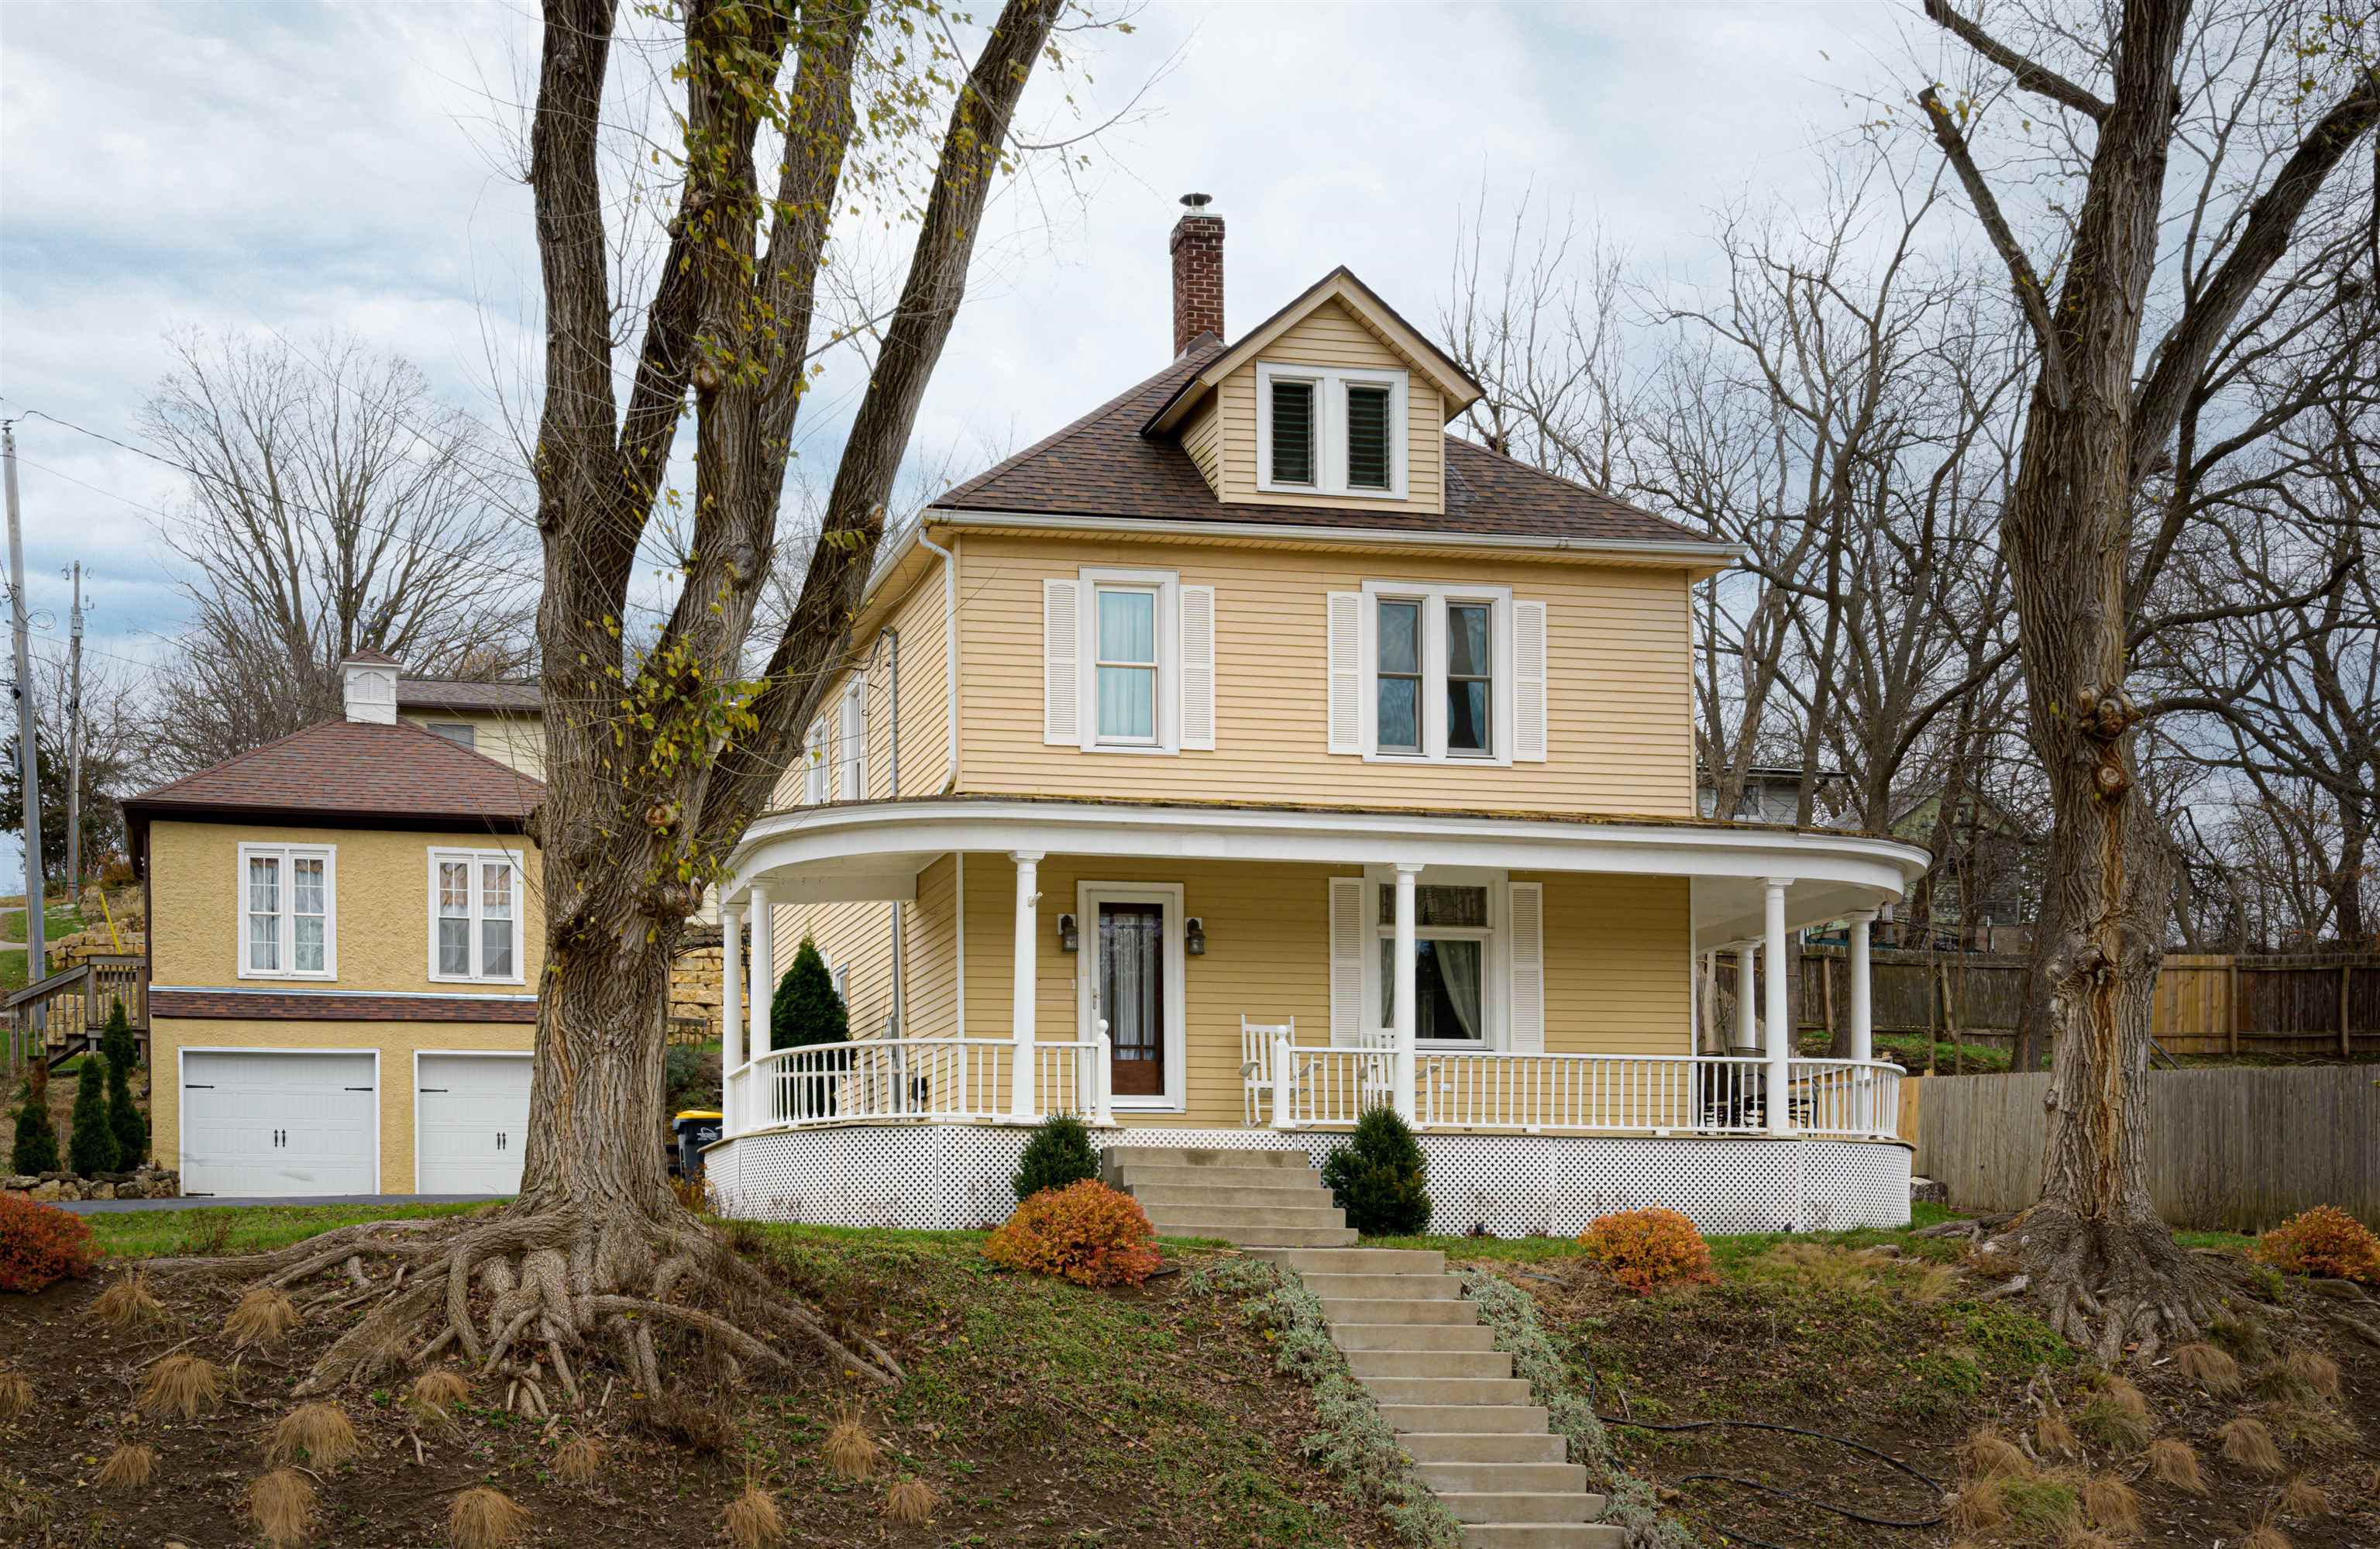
(1131, 995)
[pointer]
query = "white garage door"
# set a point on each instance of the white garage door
(472, 1117)
(260, 1122)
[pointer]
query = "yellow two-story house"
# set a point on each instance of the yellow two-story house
(345, 937)
(1252, 750)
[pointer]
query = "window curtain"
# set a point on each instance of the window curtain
(1458, 970)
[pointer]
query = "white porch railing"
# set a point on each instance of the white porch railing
(1290, 1086)
(873, 1080)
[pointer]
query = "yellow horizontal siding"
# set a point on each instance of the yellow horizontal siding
(924, 741)
(1618, 661)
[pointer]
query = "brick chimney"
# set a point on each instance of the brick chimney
(1197, 247)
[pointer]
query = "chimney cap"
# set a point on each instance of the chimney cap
(1197, 202)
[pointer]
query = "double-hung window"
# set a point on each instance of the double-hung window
(1438, 677)
(1453, 934)
(1125, 698)
(851, 765)
(818, 775)
(475, 915)
(1327, 430)
(289, 918)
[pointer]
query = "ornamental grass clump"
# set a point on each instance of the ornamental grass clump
(578, 1460)
(128, 1301)
(320, 1434)
(910, 1501)
(2117, 1417)
(41, 1245)
(2176, 1463)
(1086, 1232)
(265, 1313)
(186, 1386)
(2209, 1367)
(850, 1452)
(129, 1466)
(2249, 1443)
(1986, 1454)
(2302, 1497)
(2325, 1240)
(1646, 1250)
(16, 1395)
(752, 1520)
(282, 1506)
(1380, 1178)
(2111, 1504)
(486, 1519)
(1059, 1152)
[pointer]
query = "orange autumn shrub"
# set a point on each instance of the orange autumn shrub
(1087, 1232)
(2325, 1240)
(1644, 1250)
(41, 1245)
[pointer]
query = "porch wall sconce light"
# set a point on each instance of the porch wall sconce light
(1070, 939)
(1194, 937)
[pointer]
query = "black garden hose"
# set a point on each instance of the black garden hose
(1933, 1521)
(1772, 1425)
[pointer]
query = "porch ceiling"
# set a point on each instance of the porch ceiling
(875, 849)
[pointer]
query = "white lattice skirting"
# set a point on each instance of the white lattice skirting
(952, 1176)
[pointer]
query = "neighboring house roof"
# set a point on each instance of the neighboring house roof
(348, 774)
(1103, 466)
(1910, 804)
(444, 693)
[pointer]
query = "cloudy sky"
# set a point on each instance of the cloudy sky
(293, 167)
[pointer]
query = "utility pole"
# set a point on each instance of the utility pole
(74, 746)
(37, 960)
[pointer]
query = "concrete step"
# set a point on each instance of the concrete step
(1135, 1176)
(1424, 1417)
(1440, 1311)
(1259, 1236)
(1449, 1390)
(1531, 1507)
(1412, 1336)
(1368, 1364)
(1363, 1261)
(1544, 1535)
(1534, 1479)
(1245, 1216)
(1265, 1196)
(1205, 1156)
(1384, 1287)
(1483, 1446)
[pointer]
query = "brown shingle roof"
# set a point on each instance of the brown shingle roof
(350, 774)
(1102, 465)
(443, 693)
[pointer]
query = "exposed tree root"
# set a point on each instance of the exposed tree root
(521, 1293)
(2112, 1287)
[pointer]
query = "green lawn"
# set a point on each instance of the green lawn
(146, 1234)
(56, 920)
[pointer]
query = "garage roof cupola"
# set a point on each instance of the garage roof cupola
(369, 682)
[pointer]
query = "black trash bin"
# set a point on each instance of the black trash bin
(695, 1127)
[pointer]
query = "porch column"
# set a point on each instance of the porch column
(1407, 973)
(1020, 1015)
(731, 1012)
(1780, 1033)
(1747, 1027)
(764, 967)
(1863, 1017)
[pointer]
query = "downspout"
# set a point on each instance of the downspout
(950, 764)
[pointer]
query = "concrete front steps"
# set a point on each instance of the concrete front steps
(1406, 1331)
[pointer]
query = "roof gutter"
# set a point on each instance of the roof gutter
(1685, 551)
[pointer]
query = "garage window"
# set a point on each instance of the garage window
(475, 915)
(288, 917)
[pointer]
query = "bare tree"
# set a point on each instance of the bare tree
(114, 738)
(659, 753)
(2103, 411)
(334, 506)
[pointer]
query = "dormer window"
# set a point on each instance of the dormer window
(1327, 430)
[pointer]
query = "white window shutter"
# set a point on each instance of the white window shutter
(1529, 682)
(1062, 672)
(1525, 980)
(1197, 608)
(1349, 937)
(814, 770)
(1346, 629)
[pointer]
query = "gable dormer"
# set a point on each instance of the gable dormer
(1333, 402)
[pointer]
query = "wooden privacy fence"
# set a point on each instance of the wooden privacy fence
(2306, 1007)
(2232, 1149)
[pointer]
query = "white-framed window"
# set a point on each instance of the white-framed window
(288, 911)
(1129, 662)
(461, 733)
(475, 916)
(850, 753)
(818, 775)
(1478, 960)
(1330, 430)
(1436, 666)
(1455, 956)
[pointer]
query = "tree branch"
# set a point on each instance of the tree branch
(2029, 76)
(2030, 293)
